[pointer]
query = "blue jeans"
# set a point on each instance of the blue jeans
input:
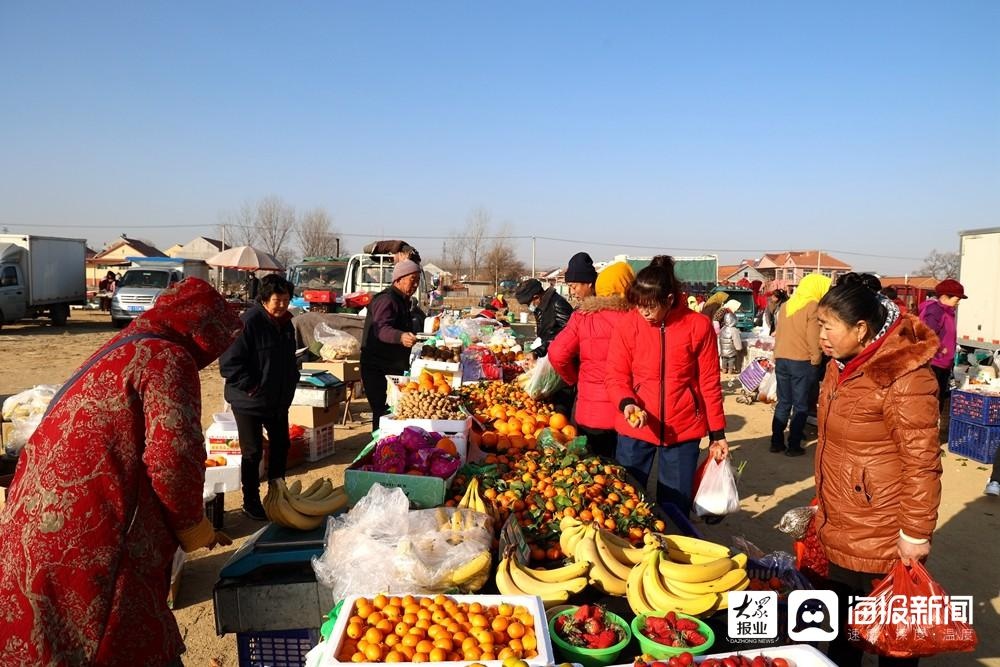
(795, 380)
(675, 476)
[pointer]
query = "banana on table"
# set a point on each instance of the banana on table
(293, 507)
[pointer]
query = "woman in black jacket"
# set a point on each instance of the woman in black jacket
(261, 373)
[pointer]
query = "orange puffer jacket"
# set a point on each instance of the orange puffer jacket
(878, 461)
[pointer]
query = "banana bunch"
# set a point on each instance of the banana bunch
(684, 574)
(472, 575)
(554, 587)
(611, 558)
(461, 522)
(291, 507)
(474, 501)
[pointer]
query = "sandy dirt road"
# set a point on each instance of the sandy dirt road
(965, 559)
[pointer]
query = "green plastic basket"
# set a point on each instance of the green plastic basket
(660, 651)
(589, 657)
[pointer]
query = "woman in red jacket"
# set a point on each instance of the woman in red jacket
(663, 376)
(580, 354)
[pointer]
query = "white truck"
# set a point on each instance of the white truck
(978, 317)
(145, 279)
(41, 276)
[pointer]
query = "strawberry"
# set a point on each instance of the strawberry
(686, 624)
(694, 638)
(592, 626)
(604, 639)
(582, 614)
(671, 618)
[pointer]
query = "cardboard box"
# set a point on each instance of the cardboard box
(346, 370)
(456, 429)
(319, 397)
(220, 438)
(313, 417)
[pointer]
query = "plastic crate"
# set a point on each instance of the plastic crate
(973, 441)
(275, 648)
(970, 406)
(321, 443)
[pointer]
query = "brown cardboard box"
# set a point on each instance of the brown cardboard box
(313, 417)
(348, 370)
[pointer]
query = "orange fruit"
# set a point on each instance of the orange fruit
(558, 421)
(569, 431)
(448, 445)
(501, 427)
(444, 389)
(514, 425)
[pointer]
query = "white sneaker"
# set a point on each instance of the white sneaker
(993, 488)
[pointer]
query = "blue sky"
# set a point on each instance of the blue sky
(728, 126)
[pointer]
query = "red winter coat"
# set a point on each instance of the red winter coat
(671, 371)
(111, 477)
(580, 353)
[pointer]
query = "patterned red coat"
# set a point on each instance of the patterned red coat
(113, 474)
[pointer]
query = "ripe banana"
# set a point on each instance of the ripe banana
(570, 536)
(634, 590)
(472, 575)
(295, 487)
(312, 488)
(657, 592)
(322, 507)
(704, 572)
(506, 586)
(693, 545)
(564, 573)
(622, 548)
(727, 582)
(741, 560)
(600, 576)
(619, 568)
(533, 586)
(279, 510)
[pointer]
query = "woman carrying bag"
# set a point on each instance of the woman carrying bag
(663, 377)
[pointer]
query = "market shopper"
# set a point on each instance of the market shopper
(579, 355)
(939, 314)
(261, 373)
(581, 276)
(388, 336)
(878, 463)
(107, 488)
(663, 378)
(107, 288)
(550, 309)
(797, 356)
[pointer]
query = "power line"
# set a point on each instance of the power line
(580, 242)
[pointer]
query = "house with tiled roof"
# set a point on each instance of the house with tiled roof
(744, 271)
(112, 258)
(785, 270)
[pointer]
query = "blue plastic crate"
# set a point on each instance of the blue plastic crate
(970, 406)
(973, 441)
(275, 648)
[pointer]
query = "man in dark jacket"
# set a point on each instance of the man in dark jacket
(261, 373)
(551, 311)
(388, 336)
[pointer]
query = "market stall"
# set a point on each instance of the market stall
(478, 490)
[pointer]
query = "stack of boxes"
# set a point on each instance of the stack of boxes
(975, 425)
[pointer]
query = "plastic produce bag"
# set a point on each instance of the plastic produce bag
(795, 522)
(767, 392)
(29, 403)
(337, 344)
(421, 551)
(717, 495)
(890, 629)
(542, 380)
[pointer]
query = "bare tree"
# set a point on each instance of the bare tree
(501, 261)
(453, 254)
(477, 228)
(317, 237)
(239, 227)
(941, 265)
(275, 221)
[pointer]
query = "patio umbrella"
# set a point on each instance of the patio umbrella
(245, 258)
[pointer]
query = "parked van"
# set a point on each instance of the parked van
(143, 282)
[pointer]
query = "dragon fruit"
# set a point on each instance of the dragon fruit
(389, 456)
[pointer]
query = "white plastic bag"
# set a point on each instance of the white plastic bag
(767, 391)
(717, 495)
(337, 344)
(542, 380)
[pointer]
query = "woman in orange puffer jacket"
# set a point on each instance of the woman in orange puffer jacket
(663, 377)
(579, 354)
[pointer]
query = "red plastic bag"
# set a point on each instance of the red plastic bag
(898, 631)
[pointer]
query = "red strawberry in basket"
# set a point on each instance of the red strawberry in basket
(604, 639)
(685, 624)
(582, 614)
(694, 638)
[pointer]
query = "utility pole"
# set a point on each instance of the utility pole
(532, 256)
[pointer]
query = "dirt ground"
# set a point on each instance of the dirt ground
(964, 560)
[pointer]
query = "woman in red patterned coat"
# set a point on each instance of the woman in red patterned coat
(107, 488)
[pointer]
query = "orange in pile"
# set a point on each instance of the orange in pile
(436, 629)
(429, 382)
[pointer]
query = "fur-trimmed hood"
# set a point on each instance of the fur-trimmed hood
(595, 304)
(908, 346)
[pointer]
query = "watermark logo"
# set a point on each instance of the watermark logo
(753, 615)
(919, 612)
(812, 616)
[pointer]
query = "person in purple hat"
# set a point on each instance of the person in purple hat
(939, 315)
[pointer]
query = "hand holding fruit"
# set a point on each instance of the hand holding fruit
(408, 339)
(635, 416)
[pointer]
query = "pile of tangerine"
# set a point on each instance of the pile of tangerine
(436, 629)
